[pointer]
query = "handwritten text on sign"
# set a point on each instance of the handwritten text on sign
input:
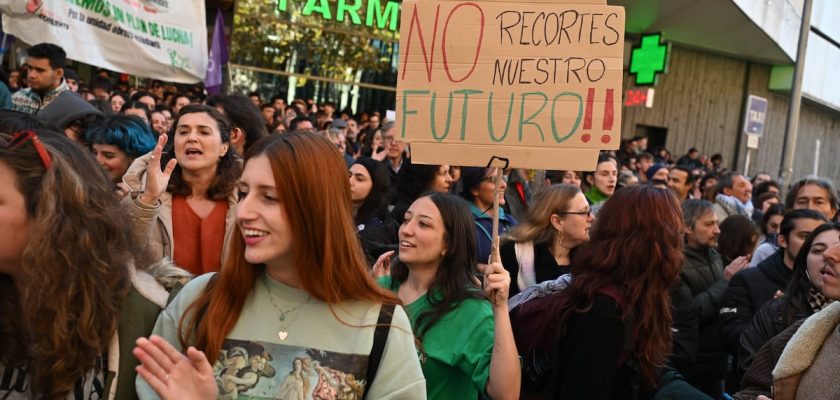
(523, 74)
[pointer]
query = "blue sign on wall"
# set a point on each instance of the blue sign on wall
(756, 115)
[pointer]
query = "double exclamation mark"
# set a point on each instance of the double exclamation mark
(609, 106)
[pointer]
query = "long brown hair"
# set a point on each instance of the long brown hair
(63, 311)
(636, 246)
(536, 225)
(454, 278)
(312, 179)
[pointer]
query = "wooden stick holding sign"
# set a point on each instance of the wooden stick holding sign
(500, 164)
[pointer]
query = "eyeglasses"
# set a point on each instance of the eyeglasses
(585, 212)
(20, 138)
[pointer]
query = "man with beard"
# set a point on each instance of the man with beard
(703, 282)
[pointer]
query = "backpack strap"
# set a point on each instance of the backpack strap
(525, 258)
(380, 336)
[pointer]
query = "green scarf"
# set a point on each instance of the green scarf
(595, 196)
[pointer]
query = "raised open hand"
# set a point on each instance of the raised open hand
(173, 375)
(157, 180)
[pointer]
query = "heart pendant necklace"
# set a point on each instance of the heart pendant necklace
(283, 333)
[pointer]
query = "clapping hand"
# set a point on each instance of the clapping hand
(736, 266)
(382, 267)
(174, 375)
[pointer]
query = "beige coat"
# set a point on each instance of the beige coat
(801, 351)
(153, 224)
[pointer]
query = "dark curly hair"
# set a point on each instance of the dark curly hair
(60, 312)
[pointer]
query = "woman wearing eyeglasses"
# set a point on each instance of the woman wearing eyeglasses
(71, 302)
(539, 248)
(479, 188)
(611, 325)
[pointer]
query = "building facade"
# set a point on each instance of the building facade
(741, 48)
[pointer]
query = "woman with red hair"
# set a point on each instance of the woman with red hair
(294, 295)
(614, 323)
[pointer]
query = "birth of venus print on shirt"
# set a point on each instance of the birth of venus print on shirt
(257, 370)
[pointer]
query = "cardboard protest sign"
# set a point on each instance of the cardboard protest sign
(163, 39)
(536, 82)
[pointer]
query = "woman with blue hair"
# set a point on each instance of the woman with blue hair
(117, 141)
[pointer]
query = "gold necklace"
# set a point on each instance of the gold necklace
(283, 333)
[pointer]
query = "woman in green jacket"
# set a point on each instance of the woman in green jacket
(467, 342)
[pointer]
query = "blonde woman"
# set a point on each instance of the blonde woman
(539, 248)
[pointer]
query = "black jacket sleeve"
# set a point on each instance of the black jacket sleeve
(587, 357)
(708, 301)
(686, 330)
(736, 312)
(508, 254)
(763, 327)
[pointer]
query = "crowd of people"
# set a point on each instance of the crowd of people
(159, 243)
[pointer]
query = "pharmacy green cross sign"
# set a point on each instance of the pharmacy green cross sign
(648, 59)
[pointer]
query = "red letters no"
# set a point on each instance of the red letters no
(429, 56)
(428, 59)
(477, 47)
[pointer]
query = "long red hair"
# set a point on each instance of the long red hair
(312, 180)
(636, 246)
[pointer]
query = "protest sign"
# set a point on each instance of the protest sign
(163, 39)
(535, 82)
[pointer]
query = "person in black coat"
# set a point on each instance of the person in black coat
(703, 281)
(750, 289)
(369, 192)
(595, 357)
(803, 296)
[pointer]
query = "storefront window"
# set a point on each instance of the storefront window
(345, 52)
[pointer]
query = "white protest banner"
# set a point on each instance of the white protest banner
(536, 82)
(163, 39)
